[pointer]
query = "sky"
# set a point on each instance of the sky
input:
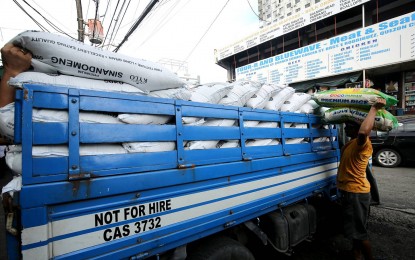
(182, 30)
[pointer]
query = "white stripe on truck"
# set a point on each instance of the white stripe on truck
(142, 218)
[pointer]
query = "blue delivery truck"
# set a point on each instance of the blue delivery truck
(174, 204)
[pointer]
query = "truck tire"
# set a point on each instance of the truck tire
(220, 248)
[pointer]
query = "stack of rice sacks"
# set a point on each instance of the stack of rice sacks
(250, 94)
(353, 104)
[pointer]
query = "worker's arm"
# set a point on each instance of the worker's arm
(15, 60)
(367, 124)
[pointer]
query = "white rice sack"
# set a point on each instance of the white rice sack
(262, 96)
(174, 93)
(250, 123)
(201, 145)
(240, 93)
(7, 122)
(14, 155)
(210, 93)
(48, 115)
(308, 107)
(321, 139)
(149, 147)
(276, 101)
(59, 54)
(219, 122)
(295, 102)
(294, 140)
(268, 124)
(384, 121)
(73, 82)
(299, 125)
(143, 119)
(288, 125)
(229, 144)
(188, 120)
(262, 142)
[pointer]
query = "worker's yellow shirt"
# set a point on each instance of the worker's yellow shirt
(351, 175)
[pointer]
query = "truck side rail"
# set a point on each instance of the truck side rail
(185, 194)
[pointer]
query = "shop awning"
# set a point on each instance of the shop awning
(333, 81)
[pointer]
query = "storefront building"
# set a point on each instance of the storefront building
(333, 44)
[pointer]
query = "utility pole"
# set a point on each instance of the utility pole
(80, 21)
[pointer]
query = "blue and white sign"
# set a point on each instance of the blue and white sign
(303, 17)
(388, 42)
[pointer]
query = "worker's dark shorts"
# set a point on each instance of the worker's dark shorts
(355, 212)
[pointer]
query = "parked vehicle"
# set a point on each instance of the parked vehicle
(173, 203)
(392, 148)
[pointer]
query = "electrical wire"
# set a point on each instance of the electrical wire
(106, 10)
(34, 20)
(118, 29)
(135, 13)
(191, 52)
(56, 20)
(109, 27)
(164, 20)
(86, 15)
(146, 11)
(47, 21)
(249, 3)
(114, 30)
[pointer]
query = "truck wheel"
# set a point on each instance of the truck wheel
(388, 158)
(219, 248)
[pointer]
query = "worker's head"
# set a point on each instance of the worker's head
(352, 129)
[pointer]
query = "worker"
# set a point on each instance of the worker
(352, 183)
(15, 60)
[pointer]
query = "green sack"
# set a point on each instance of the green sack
(352, 97)
(384, 121)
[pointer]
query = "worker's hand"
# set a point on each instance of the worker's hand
(380, 103)
(15, 59)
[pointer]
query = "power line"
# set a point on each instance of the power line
(34, 20)
(47, 21)
(137, 23)
(165, 19)
(119, 25)
(191, 52)
(56, 20)
(86, 15)
(109, 27)
(115, 30)
(249, 3)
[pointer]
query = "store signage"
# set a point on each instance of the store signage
(306, 16)
(388, 42)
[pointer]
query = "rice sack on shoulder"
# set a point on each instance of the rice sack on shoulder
(384, 121)
(352, 97)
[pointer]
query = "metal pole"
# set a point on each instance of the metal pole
(80, 21)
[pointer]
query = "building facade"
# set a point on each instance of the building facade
(311, 44)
